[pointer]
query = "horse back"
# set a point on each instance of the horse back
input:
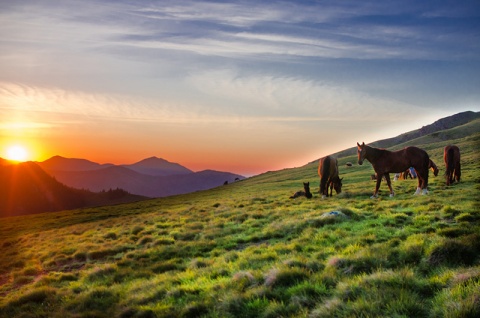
(328, 167)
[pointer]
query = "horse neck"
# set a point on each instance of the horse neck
(373, 153)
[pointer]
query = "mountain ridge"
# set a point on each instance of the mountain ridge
(441, 124)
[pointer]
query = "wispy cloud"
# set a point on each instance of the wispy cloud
(279, 69)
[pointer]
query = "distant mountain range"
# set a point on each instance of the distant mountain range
(152, 177)
(63, 183)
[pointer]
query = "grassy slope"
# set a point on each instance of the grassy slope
(247, 250)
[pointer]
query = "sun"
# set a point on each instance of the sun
(17, 153)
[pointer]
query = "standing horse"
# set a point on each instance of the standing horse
(384, 162)
(328, 173)
(451, 156)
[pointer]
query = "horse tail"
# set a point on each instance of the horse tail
(458, 172)
(450, 160)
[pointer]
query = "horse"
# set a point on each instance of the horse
(384, 162)
(451, 156)
(432, 166)
(328, 173)
(305, 193)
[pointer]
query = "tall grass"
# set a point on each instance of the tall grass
(247, 250)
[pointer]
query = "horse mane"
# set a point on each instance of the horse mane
(377, 152)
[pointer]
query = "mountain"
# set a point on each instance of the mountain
(434, 129)
(70, 164)
(151, 177)
(141, 184)
(158, 167)
(26, 189)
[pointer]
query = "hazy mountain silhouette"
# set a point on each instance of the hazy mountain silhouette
(25, 188)
(70, 164)
(151, 177)
(158, 167)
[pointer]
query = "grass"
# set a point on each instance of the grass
(247, 250)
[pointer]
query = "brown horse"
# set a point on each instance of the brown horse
(384, 162)
(328, 173)
(451, 156)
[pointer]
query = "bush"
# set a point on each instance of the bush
(454, 252)
(284, 277)
(35, 296)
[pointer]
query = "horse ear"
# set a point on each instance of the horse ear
(358, 144)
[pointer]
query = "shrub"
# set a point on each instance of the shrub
(34, 296)
(110, 236)
(146, 239)
(284, 277)
(137, 229)
(453, 252)
(97, 299)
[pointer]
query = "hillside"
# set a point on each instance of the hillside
(27, 189)
(433, 129)
(247, 250)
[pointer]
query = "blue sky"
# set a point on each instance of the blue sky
(244, 86)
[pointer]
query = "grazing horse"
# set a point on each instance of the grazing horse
(328, 172)
(433, 167)
(384, 162)
(305, 193)
(451, 156)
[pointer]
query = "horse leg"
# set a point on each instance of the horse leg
(457, 171)
(323, 187)
(377, 186)
(425, 180)
(331, 187)
(389, 183)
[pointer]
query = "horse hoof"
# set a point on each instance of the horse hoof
(323, 196)
(375, 196)
(424, 192)
(392, 195)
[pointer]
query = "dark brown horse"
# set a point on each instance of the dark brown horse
(328, 173)
(384, 162)
(305, 193)
(451, 156)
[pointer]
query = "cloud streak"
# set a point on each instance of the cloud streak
(261, 72)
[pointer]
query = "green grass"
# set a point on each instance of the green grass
(247, 250)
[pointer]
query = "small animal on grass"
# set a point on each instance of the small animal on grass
(432, 166)
(305, 193)
(451, 156)
(328, 173)
(385, 161)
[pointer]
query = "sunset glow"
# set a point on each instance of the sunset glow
(238, 86)
(17, 153)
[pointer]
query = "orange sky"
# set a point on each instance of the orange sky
(239, 86)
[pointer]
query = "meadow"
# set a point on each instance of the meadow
(247, 250)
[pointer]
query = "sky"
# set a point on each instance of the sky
(239, 86)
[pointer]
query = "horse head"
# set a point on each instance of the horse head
(337, 184)
(361, 151)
